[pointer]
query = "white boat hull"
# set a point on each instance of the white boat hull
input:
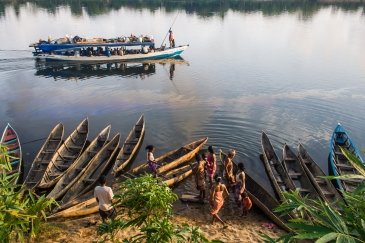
(170, 52)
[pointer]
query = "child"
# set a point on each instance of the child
(246, 203)
(151, 159)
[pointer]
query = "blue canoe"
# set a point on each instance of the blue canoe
(338, 163)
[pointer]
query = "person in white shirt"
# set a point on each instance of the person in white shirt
(104, 196)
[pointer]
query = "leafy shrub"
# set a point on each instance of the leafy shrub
(21, 211)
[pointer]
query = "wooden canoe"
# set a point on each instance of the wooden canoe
(44, 156)
(338, 163)
(173, 158)
(297, 174)
(92, 172)
(131, 146)
(73, 172)
(65, 155)
(10, 140)
(323, 186)
(89, 205)
(260, 197)
(279, 178)
(174, 176)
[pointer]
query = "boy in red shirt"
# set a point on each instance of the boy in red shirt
(246, 203)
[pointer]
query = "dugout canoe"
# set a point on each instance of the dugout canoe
(279, 178)
(10, 140)
(92, 172)
(73, 172)
(173, 158)
(323, 186)
(89, 206)
(130, 146)
(174, 176)
(44, 156)
(65, 155)
(338, 163)
(260, 197)
(297, 174)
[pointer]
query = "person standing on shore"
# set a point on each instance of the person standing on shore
(218, 193)
(151, 159)
(104, 196)
(240, 186)
(211, 164)
(171, 39)
(199, 173)
(228, 167)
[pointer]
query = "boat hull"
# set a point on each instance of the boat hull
(10, 140)
(338, 163)
(168, 53)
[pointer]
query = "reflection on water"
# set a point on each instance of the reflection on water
(293, 78)
(203, 8)
(79, 71)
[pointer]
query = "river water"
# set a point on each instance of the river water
(291, 69)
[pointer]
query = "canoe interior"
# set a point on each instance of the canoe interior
(181, 155)
(86, 203)
(279, 178)
(339, 164)
(94, 170)
(65, 155)
(44, 156)
(172, 158)
(323, 186)
(297, 174)
(72, 173)
(131, 145)
(10, 140)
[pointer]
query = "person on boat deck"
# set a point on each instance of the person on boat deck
(152, 165)
(211, 164)
(218, 193)
(228, 167)
(246, 203)
(240, 186)
(104, 196)
(171, 39)
(199, 172)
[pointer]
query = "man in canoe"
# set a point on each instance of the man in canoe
(104, 196)
(199, 172)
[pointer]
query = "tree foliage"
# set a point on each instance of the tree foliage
(21, 211)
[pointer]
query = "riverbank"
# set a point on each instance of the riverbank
(248, 229)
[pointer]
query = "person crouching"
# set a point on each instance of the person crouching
(104, 196)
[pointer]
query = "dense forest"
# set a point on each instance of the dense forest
(203, 8)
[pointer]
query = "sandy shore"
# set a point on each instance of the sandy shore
(248, 229)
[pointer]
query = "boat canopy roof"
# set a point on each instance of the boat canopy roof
(46, 47)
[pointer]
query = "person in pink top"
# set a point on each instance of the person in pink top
(104, 196)
(211, 164)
